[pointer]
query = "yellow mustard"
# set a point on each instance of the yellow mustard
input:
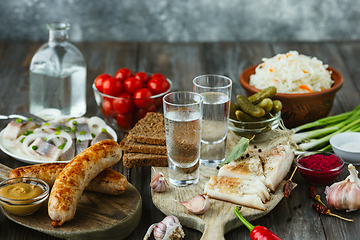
(21, 191)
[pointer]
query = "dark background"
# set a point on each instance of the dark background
(183, 20)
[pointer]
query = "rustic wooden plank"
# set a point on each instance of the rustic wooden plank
(2, 49)
(230, 59)
(14, 77)
(350, 54)
(293, 218)
(181, 62)
(105, 57)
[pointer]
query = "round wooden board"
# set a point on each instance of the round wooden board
(220, 218)
(98, 216)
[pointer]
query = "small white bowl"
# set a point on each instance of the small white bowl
(347, 146)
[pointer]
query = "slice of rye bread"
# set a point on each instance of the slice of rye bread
(144, 160)
(127, 145)
(150, 130)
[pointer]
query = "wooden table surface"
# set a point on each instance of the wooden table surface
(293, 218)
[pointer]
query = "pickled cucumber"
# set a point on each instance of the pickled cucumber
(276, 107)
(246, 106)
(268, 92)
(266, 104)
(232, 111)
(244, 117)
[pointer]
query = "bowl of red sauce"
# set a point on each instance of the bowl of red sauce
(319, 168)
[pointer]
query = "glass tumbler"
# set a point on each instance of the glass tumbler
(183, 120)
(216, 91)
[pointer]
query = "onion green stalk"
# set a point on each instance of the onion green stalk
(327, 120)
(314, 139)
(318, 142)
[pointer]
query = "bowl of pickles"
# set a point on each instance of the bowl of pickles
(255, 116)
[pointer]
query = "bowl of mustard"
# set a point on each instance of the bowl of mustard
(23, 196)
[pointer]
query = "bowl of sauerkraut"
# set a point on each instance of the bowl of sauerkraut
(305, 86)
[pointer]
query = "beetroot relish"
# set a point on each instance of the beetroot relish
(320, 162)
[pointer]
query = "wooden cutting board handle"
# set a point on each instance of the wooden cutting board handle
(214, 230)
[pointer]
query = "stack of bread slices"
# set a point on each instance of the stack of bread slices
(145, 144)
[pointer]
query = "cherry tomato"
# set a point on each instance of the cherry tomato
(158, 85)
(99, 80)
(143, 99)
(158, 75)
(124, 103)
(131, 85)
(143, 77)
(141, 112)
(108, 108)
(123, 74)
(125, 120)
(112, 87)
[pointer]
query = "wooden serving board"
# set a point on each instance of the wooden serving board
(98, 216)
(220, 218)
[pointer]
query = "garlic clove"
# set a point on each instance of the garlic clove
(159, 183)
(345, 195)
(160, 230)
(168, 228)
(197, 205)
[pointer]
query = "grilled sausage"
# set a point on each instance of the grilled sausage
(76, 175)
(109, 181)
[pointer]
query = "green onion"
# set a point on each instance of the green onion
(93, 135)
(103, 130)
(57, 132)
(45, 139)
(82, 132)
(29, 119)
(74, 122)
(22, 140)
(18, 120)
(61, 146)
(79, 140)
(58, 128)
(312, 139)
(73, 129)
(46, 124)
(34, 147)
(27, 132)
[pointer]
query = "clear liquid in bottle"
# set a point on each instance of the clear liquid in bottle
(58, 76)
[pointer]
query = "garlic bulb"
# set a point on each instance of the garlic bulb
(197, 205)
(159, 183)
(345, 195)
(168, 229)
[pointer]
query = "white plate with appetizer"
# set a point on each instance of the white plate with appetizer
(53, 141)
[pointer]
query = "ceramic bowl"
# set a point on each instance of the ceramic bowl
(24, 207)
(319, 177)
(300, 108)
(262, 130)
(347, 146)
(124, 122)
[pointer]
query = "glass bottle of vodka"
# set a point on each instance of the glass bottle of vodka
(58, 76)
